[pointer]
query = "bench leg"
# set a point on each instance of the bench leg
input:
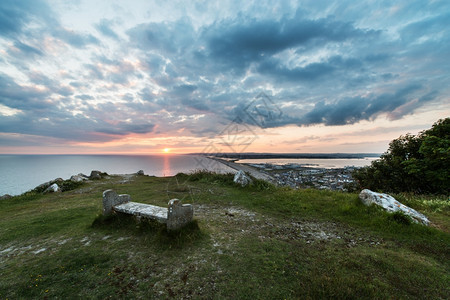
(178, 215)
(111, 199)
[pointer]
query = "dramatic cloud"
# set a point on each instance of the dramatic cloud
(158, 70)
(351, 110)
(240, 41)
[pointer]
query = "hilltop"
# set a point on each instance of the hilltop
(254, 242)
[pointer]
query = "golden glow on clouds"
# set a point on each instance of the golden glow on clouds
(365, 136)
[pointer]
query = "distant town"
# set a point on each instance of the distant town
(253, 155)
(297, 176)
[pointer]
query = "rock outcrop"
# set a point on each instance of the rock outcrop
(5, 196)
(44, 186)
(77, 178)
(95, 175)
(61, 185)
(391, 205)
(241, 178)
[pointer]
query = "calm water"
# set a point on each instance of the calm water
(20, 173)
(327, 163)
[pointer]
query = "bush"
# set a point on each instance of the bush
(418, 164)
(261, 185)
(211, 177)
(68, 185)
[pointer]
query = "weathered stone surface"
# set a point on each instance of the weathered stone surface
(77, 178)
(95, 175)
(143, 210)
(241, 178)
(54, 188)
(111, 199)
(390, 204)
(140, 172)
(178, 214)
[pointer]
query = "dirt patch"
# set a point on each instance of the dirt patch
(228, 224)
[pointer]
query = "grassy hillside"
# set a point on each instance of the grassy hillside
(258, 242)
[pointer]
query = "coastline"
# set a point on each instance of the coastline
(234, 166)
(21, 173)
(241, 167)
(18, 178)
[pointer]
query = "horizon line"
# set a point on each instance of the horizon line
(198, 153)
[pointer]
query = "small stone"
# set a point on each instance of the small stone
(95, 175)
(54, 188)
(6, 196)
(77, 178)
(241, 178)
(39, 251)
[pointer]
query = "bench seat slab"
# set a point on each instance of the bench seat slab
(144, 210)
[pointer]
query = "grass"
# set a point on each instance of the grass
(256, 242)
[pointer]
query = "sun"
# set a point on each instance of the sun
(166, 150)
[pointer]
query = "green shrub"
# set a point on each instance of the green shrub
(68, 185)
(418, 164)
(211, 177)
(261, 185)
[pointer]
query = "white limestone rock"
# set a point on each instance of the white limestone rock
(391, 205)
(241, 178)
(54, 188)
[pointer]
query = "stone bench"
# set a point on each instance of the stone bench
(176, 215)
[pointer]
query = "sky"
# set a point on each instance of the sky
(138, 77)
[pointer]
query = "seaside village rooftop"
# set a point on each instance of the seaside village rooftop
(299, 176)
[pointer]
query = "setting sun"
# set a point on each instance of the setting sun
(166, 150)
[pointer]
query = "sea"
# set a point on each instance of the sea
(21, 173)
